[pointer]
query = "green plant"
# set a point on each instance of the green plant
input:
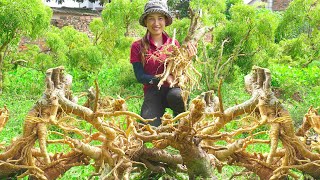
(121, 14)
(300, 17)
(291, 82)
(19, 18)
(87, 59)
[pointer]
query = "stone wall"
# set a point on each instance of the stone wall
(280, 5)
(274, 5)
(79, 22)
(79, 18)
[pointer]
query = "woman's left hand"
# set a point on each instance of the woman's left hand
(191, 49)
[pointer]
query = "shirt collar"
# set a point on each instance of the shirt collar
(165, 39)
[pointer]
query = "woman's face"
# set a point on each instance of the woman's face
(156, 23)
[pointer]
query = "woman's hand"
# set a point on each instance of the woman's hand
(192, 49)
(170, 79)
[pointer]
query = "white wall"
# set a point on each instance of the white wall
(71, 3)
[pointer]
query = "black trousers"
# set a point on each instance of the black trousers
(156, 101)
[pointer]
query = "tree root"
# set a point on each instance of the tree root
(117, 143)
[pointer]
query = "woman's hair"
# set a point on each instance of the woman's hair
(144, 47)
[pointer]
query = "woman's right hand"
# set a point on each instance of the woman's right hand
(192, 49)
(170, 79)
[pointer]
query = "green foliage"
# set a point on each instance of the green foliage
(81, 1)
(88, 58)
(67, 47)
(19, 105)
(212, 11)
(19, 18)
(22, 18)
(300, 51)
(78, 173)
(77, 50)
(23, 88)
(122, 14)
(21, 57)
(97, 28)
(43, 61)
(302, 16)
(181, 26)
(295, 50)
(57, 46)
(73, 38)
(229, 4)
(103, 37)
(25, 82)
(244, 39)
(299, 88)
(170, 174)
(180, 7)
(298, 33)
(293, 79)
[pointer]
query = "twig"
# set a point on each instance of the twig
(220, 97)
(97, 96)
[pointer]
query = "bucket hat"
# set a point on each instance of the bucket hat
(156, 6)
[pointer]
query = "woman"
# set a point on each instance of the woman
(147, 62)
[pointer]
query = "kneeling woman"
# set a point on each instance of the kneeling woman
(147, 62)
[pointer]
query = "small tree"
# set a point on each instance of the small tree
(298, 33)
(20, 18)
(242, 36)
(122, 13)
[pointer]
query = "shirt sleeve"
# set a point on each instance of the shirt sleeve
(135, 59)
(135, 55)
(141, 76)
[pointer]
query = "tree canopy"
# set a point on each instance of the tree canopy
(18, 18)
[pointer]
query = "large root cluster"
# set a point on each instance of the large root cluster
(178, 62)
(116, 140)
(179, 65)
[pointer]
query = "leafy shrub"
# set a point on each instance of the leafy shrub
(299, 17)
(28, 83)
(122, 14)
(299, 88)
(87, 58)
(73, 38)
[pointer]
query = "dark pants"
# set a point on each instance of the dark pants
(156, 101)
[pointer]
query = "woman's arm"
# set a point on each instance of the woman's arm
(141, 76)
(135, 59)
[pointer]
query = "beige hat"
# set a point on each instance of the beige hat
(156, 6)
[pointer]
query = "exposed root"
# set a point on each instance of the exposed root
(199, 136)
